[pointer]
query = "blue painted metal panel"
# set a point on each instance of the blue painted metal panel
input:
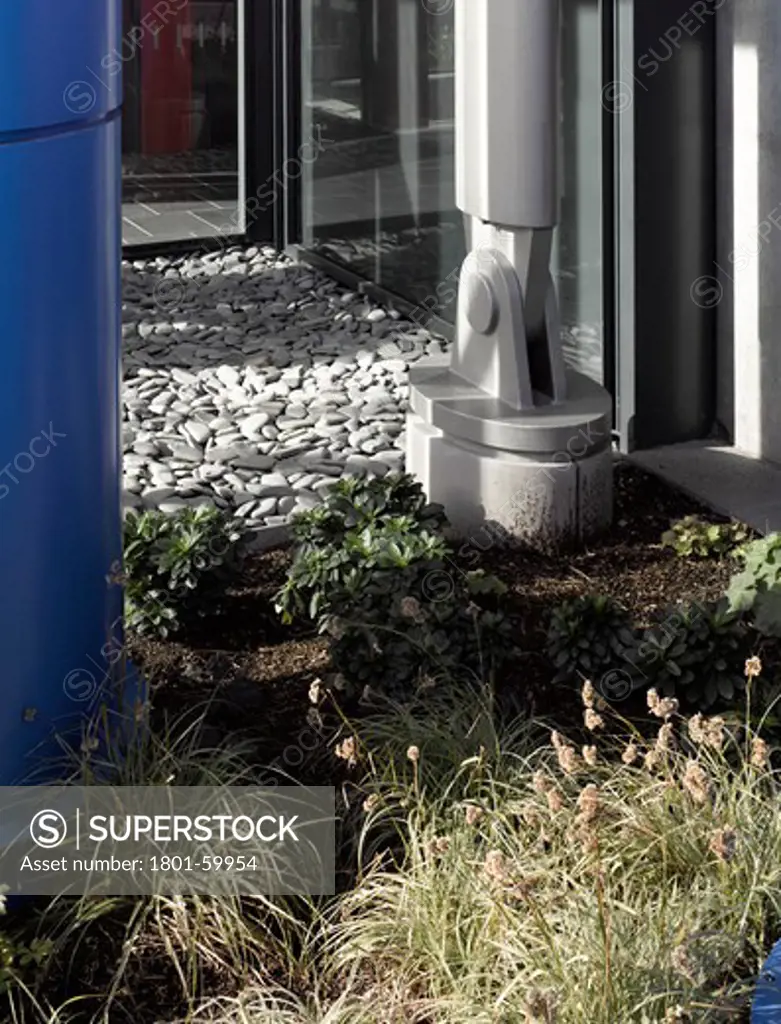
(61, 62)
(60, 463)
(767, 1002)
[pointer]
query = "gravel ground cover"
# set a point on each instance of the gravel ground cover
(252, 383)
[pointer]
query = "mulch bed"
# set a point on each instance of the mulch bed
(254, 673)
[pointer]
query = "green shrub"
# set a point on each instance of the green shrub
(756, 589)
(372, 569)
(695, 652)
(588, 635)
(18, 957)
(168, 559)
(692, 537)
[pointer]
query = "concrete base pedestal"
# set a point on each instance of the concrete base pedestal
(553, 501)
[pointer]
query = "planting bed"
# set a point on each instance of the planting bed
(255, 673)
(246, 680)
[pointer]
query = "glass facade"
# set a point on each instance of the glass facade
(578, 249)
(378, 88)
(378, 92)
(181, 125)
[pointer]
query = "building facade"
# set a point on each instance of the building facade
(327, 126)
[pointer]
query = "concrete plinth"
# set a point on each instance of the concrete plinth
(542, 475)
(547, 501)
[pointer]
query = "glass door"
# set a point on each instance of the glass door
(182, 145)
(377, 90)
(377, 93)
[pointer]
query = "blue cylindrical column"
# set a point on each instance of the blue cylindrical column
(60, 216)
(766, 1008)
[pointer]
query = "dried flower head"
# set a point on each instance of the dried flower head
(473, 815)
(589, 804)
(665, 738)
(652, 760)
(753, 667)
(696, 782)
(565, 753)
(410, 608)
(588, 694)
(524, 887)
(724, 844)
(696, 728)
(683, 964)
(437, 847)
(555, 800)
(588, 837)
(590, 756)
(760, 753)
(631, 753)
(541, 1007)
(708, 732)
(530, 816)
(714, 732)
(569, 762)
(413, 754)
(661, 707)
(347, 751)
(541, 783)
(593, 721)
(676, 1015)
(495, 867)
(371, 802)
(316, 691)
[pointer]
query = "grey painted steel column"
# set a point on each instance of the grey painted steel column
(505, 434)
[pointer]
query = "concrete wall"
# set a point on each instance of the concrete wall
(749, 225)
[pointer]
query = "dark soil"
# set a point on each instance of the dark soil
(629, 564)
(238, 665)
(254, 674)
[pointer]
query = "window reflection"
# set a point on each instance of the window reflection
(180, 125)
(378, 82)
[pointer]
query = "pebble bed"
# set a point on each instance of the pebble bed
(253, 383)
